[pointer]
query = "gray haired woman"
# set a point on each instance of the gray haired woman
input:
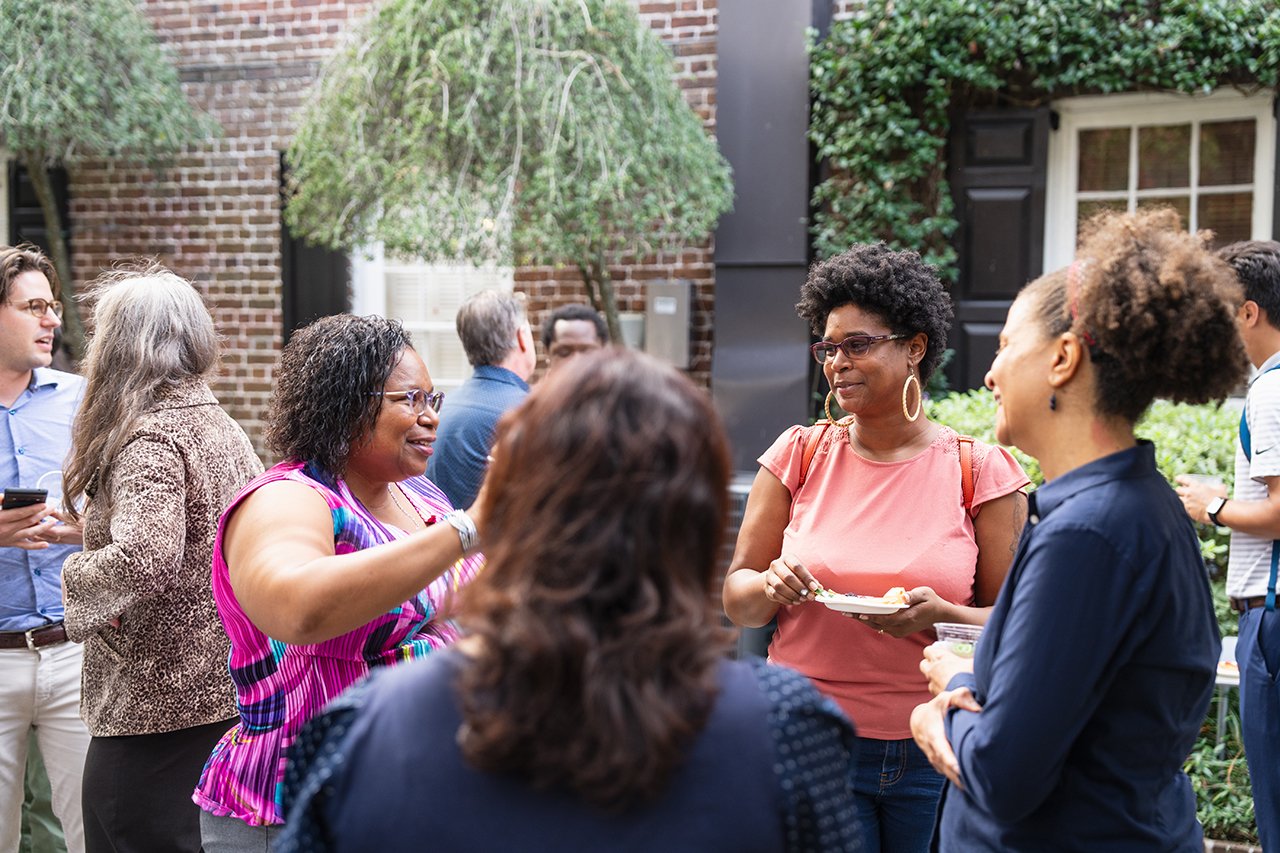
(157, 459)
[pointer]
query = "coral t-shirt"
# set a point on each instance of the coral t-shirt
(863, 527)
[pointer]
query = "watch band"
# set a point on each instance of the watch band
(1215, 507)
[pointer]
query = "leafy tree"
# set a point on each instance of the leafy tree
(85, 78)
(547, 132)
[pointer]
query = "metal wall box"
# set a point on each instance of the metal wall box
(666, 320)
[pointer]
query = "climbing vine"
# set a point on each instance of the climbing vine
(887, 82)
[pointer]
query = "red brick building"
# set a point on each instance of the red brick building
(214, 215)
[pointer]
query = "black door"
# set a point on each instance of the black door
(997, 172)
(26, 219)
(316, 280)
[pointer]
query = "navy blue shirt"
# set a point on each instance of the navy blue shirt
(381, 769)
(34, 443)
(1095, 672)
(467, 422)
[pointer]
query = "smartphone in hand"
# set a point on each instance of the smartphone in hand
(14, 498)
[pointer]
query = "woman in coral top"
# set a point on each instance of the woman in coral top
(882, 505)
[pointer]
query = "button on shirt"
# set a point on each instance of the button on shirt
(467, 423)
(1095, 672)
(34, 443)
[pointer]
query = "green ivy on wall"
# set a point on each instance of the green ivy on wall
(886, 83)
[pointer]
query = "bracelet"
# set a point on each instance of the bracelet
(461, 522)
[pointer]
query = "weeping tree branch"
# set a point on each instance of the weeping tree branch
(572, 144)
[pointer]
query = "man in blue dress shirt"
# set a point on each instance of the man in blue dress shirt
(499, 344)
(39, 668)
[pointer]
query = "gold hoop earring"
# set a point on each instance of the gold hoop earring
(831, 395)
(906, 386)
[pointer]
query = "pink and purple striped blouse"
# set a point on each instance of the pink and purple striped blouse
(280, 686)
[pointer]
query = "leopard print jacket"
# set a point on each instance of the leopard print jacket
(138, 596)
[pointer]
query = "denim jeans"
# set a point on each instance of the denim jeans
(897, 791)
(1258, 653)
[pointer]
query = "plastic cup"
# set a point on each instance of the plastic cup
(1205, 479)
(961, 640)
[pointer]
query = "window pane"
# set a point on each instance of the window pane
(1229, 216)
(1226, 152)
(1086, 209)
(1181, 203)
(1164, 156)
(1104, 159)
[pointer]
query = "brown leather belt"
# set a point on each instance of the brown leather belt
(1240, 605)
(46, 635)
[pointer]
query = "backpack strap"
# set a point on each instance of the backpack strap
(966, 471)
(810, 448)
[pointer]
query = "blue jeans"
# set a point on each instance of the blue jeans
(1258, 653)
(896, 791)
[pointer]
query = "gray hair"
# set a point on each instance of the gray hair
(488, 323)
(151, 333)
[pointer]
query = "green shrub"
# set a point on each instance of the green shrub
(1188, 439)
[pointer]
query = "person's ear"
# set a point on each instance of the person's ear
(1250, 314)
(1068, 355)
(916, 348)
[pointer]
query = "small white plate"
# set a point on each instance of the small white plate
(846, 603)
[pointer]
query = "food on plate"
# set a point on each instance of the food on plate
(897, 595)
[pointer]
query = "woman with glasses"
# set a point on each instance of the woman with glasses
(338, 560)
(883, 498)
(591, 707)
(156, 458)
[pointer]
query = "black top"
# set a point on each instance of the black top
(1095, 672)
(381, 770)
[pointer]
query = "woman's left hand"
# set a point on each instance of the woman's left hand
(65, 532)
(940, 665)
(924, 607)
(928, 727)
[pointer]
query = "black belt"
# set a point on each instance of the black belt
(1240, 605)
(45, 635)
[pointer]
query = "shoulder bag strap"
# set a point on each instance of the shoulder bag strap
(966, 471)
(810, 448)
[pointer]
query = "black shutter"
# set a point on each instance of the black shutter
(997, 172)
(26, 219)
(316, 280)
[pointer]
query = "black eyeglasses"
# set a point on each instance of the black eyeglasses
(854, 346)
(39, 307)
(419, 400)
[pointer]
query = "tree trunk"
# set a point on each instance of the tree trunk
(72, 329)
(600, 272)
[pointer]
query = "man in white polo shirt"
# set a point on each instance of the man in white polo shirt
(1253, 514)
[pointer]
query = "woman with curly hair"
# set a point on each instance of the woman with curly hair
(883, 498)
(1096, 668)
(591, 706)
(341, 559)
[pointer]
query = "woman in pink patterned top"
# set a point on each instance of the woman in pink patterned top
(340, 559)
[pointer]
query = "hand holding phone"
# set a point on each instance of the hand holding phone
(14, 498)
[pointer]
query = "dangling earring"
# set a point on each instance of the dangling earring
(831, 395)
(911, 377)
(1053, 401)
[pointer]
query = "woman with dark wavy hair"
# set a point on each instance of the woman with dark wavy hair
(591, 707)
(341, 559)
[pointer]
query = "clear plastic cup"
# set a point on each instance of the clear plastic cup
(1212, 480)
(960, 639)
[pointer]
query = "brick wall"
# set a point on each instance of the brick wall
(689, 27)
(214, 214)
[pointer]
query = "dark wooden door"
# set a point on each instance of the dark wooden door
(316, 280)
(997, 171)
(26, 219)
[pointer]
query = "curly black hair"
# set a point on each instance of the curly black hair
(1155, 308)
(898, 287)
(327, 382)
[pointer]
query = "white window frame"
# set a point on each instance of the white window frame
(4, 196)
(369, 268)
(1140, 109)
